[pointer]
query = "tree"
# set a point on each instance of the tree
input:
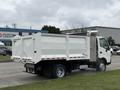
(51, 29)
(111, 41)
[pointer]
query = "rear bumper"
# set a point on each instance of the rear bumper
(30, 68)
(23, 60)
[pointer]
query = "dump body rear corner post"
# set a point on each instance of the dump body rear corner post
(67, 47)
(37, 53)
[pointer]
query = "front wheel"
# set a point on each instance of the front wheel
(101, 66)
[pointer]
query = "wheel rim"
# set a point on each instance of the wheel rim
(60, 72)
(102, 67)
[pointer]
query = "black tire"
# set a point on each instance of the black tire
(101, 66)
(26, 69)
(69, 71)
(47, 71)
(4, 54)
(40, 73)
(59, 71)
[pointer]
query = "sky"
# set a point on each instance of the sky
(64, 14)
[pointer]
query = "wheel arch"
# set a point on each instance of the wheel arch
(104, 60)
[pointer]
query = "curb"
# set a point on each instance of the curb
(6, 61)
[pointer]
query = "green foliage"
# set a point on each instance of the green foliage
(51, 29)
(111, 41)
(4, 58)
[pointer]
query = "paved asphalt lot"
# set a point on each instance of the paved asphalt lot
(13, 73)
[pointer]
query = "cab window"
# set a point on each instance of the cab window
(104, 43)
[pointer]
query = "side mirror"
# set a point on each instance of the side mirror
(107, 49)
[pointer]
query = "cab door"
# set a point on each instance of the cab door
(104, 50)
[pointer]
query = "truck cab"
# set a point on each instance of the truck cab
(104, 51)
(100, 53)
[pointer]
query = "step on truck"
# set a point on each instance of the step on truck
(54, 55)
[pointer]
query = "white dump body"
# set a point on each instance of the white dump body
(38, 47)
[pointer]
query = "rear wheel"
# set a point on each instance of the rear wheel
(59, 71)
(40, 73)
(53, 70)
(47, 71)
(101, 66)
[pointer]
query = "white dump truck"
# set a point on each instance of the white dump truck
(55, 55)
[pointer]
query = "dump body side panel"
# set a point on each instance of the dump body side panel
(40, 47)
(53, 47)
(79, 47)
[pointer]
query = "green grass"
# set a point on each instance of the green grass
(4, 58)
(96, 81)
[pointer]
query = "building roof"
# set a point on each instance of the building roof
(103, 27)
(19, 30)
(93, 27)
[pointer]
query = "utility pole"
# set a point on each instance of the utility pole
(14, 26)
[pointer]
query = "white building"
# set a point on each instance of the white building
(104, 31)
